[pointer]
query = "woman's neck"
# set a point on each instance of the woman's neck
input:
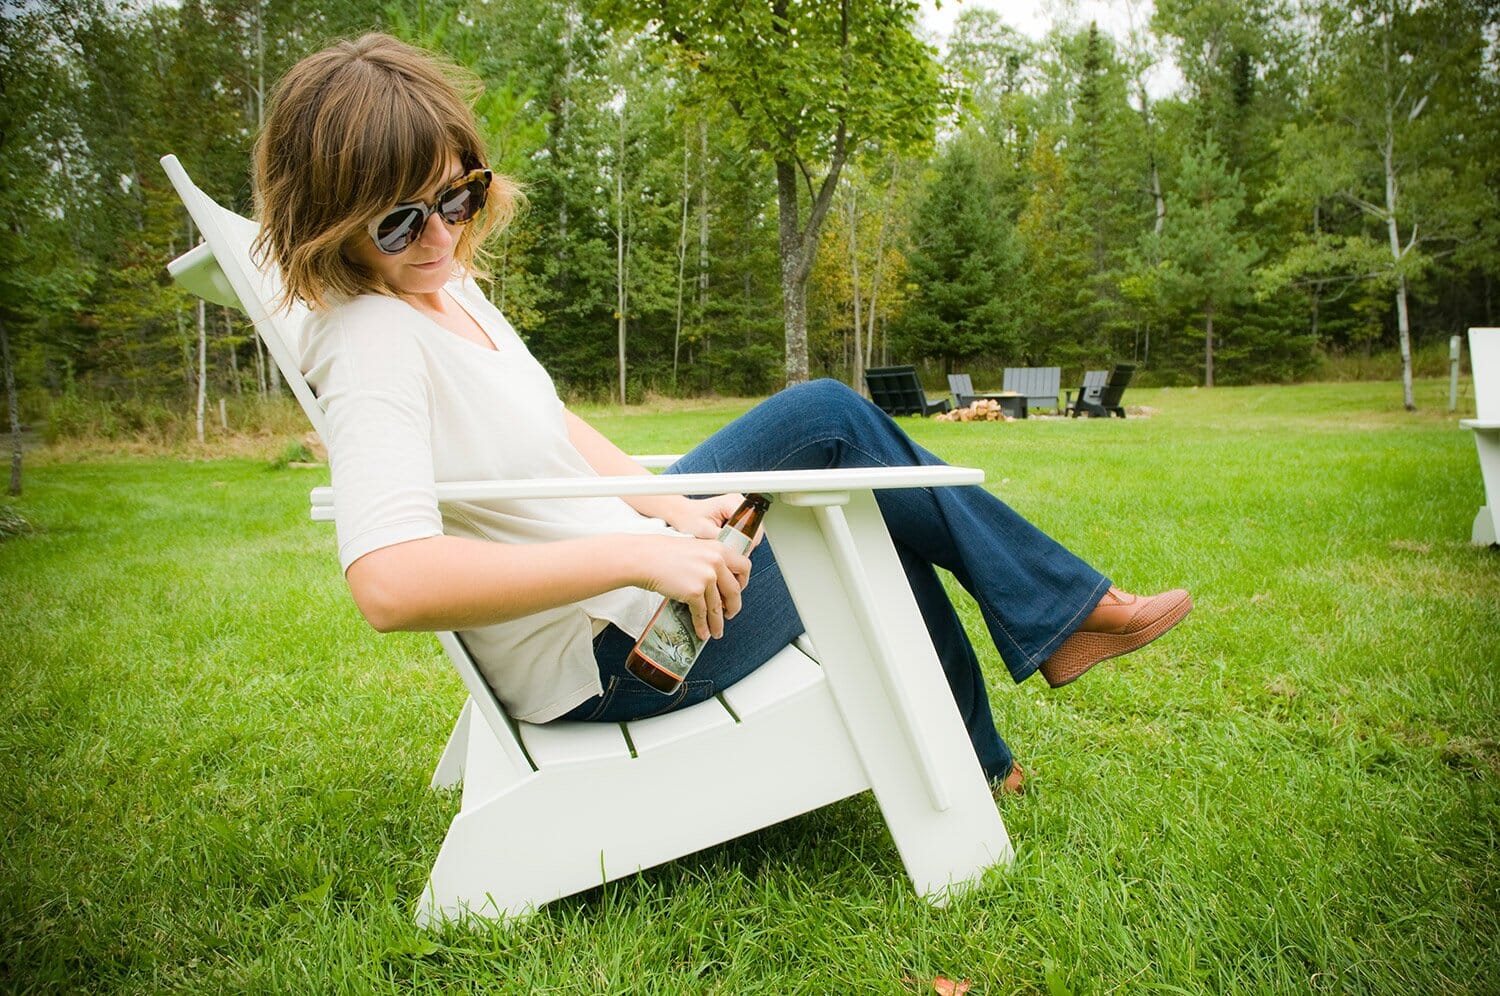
(436, 301)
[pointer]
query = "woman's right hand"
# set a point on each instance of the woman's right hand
(704, 574)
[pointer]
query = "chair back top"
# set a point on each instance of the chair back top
(1484, 363)
(228, 274)
(1034, 381)
(896, 390)
(1114, 387)
(960, 384)
(1094, 378)
(1040, 386)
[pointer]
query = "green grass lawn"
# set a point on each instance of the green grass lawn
(214, 773)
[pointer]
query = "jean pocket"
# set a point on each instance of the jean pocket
(629, 698)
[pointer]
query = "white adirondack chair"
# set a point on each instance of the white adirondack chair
(1484, 360)
(551, 810)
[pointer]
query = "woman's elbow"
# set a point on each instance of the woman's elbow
(383, 607)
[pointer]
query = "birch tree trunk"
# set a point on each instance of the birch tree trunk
(202, 365)
(260, 365)
(234, 354)
(885, 218)
(682, 232)
(620, 252)
(1403, 323)
(857, 374)
(702, 214)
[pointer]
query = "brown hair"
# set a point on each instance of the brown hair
(352, 131)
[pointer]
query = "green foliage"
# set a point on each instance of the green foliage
(295, 452)
(724, 116)
(965, 264)
(1202, 261)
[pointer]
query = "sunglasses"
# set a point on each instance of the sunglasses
(457, 204)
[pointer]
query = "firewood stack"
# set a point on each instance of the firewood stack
(982, 410)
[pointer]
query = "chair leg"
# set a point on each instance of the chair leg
(1487, 522)
(1484, 532)
(450, 767)
(844, 574)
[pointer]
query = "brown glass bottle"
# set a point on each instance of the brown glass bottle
(669, 646)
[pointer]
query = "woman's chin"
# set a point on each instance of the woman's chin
(424, 280)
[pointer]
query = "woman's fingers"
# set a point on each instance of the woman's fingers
(713, 601)
(707, 579)
(729, 593)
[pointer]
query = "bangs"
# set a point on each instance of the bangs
(397, 147)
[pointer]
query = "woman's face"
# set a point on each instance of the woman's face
(424, 266)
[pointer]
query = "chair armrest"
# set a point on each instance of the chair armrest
(774, 482)
(199, 273)
(1480, 424)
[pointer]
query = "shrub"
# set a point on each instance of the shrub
(295, 452)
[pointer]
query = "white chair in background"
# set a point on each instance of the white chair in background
(551, 810)
(1484, 361)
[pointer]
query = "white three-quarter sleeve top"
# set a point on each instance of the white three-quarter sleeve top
(410, 403)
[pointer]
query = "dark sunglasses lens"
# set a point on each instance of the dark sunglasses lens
(398, 229)
(462, 203)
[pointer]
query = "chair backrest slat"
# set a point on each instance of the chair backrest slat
(229, 238)
(896, 390)
(1039, 385)
(1484, 363)
(1114, 388)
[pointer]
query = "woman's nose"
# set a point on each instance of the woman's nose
(437, 233)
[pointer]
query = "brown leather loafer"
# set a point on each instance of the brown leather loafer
(1012, 784)
(1120, 623)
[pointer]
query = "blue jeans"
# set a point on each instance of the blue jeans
(1032, 592)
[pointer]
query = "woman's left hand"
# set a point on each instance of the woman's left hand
(705, 517)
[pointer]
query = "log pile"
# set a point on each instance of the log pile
(981, 410)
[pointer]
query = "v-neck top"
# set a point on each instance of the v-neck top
(410, 403)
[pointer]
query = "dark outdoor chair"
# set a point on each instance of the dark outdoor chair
(1040, 386)
(1093, 383)
(1108, 402)
(897, 391)
(964, 395)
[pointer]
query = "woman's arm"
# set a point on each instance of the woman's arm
(610, 461)
(452, 582)
(696, 517)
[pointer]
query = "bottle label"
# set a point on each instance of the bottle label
(670, 641)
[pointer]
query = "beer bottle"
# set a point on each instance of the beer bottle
(664, 653)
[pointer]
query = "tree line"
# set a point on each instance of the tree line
(727, 196)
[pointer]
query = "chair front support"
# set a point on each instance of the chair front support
(1484, 363)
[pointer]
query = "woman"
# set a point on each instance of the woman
(374, 200)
